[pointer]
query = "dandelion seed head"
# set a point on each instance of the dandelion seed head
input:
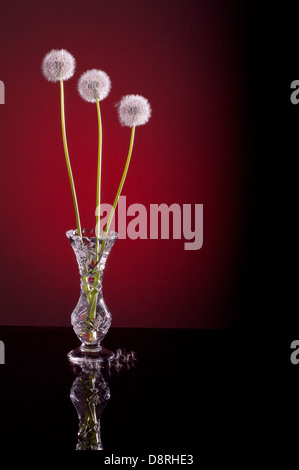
(94, 84)
(58, 65)
(134, 110)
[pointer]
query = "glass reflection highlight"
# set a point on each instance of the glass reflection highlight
(90, 394)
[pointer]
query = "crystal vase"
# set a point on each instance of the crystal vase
(91, 318)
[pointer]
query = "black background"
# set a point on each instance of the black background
(273, 65)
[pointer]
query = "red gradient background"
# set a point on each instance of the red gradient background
(189, 59)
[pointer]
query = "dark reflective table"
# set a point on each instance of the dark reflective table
(188, 392)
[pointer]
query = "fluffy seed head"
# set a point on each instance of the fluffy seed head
(58, 65)
(94, 84)
(134, 110)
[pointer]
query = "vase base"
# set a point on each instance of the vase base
(89, 358)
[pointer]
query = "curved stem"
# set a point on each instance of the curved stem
(67, 159)
(99, 171)
(121, 182)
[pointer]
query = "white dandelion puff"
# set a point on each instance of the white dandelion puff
(58, 65)
(134, 110)
(94, 84)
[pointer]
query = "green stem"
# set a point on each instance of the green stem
(94, 294)
(121, 182)
(67, 159)
(99, 171)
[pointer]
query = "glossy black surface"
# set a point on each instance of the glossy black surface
(191, 391)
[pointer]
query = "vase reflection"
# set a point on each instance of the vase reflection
(90, 394)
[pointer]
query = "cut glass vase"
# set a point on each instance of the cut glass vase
(91, 318)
